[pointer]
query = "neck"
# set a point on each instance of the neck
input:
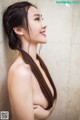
(30, 49)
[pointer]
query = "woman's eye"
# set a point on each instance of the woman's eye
(37, 18)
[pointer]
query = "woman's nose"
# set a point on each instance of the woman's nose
(43, 24)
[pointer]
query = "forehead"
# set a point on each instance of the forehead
(32, 11)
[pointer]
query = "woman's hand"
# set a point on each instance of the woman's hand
(40, 112)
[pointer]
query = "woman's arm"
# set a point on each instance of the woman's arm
(41, 113)
(20, 90)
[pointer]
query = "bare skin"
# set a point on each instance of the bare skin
(26, 97)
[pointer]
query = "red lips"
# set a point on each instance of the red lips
(43, 33)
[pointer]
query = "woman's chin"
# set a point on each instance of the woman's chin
(44, 41)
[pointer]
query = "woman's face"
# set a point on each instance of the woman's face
(37, 28)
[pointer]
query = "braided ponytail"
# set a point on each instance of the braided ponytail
(14, 17)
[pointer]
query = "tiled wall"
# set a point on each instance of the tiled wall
(61, 54)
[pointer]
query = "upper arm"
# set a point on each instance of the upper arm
(20, 90)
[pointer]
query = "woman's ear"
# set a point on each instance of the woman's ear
(18, 30)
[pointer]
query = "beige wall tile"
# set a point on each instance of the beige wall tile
(73, 109)
(57, 58)
(74, 80)
(76, 24)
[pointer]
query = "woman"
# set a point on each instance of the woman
(31, 89)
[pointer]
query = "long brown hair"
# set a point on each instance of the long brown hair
(43, 85)
(13, 17)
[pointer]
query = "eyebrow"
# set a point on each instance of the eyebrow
(40, 15)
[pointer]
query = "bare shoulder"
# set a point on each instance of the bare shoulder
(19, 67)
(19, 72)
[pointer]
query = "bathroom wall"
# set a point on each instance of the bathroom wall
(61, 54)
